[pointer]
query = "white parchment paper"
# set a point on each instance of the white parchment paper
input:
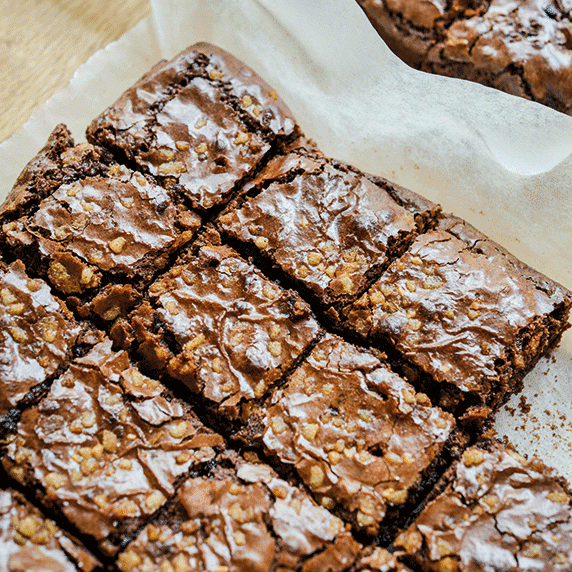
(503, 163)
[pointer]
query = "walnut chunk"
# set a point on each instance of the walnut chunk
(215, 73)
(275, 348)
(173, 168)
(310, 431)
(117, 244)
(155, 500)
(241, 138)
(316, 478)
(7, 297)
(261, 242)
(55, 480)
(473, 457)
(179, 430)
(201, 148)
(246, 101)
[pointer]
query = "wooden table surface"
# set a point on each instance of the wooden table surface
(42, 42)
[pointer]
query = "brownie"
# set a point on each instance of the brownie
(200, 122)
(361, 439)
(29, 542)
(107, 446)
(96, 238)
(58, 162)
(522, 47)
(218, 325)
(329, 228)
(467, 319)
(242, 517)
(37, 336)
(495, 511)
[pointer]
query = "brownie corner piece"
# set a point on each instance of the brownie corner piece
(37, 337)
(360, 437)
(493, 510)
(467, 319)
(107, 446)
(242, 517)
(215, 323)
(60, 160)
(200, 123)
(327, 226)
(28, 538)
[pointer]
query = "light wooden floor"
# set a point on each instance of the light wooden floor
(42, 42)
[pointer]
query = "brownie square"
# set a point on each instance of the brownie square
(98, 238)
(494, 511)
(242, 517)
(200, 122)
(107, 446)
(37, 336)
(217, 324)
(468, 319)
(361, 439)
(30, 542)
(329, 228)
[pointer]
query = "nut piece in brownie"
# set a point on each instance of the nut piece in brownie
(362, 440)
(244, 517)
(97, 238)
(32, 543)
(107, 446)
(200, 123)
(468, 319)
(523, 48)
(329, 228)
(216, 324)
(37, 335)
(493, 511)
(377, 559)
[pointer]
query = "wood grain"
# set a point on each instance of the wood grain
(42, 42)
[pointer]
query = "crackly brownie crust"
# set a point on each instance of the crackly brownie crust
(216, 324)
(29, 542)
(522, 47)
(37, 335)
(98, 238)
(328, 227)
(107, 446)
(200, 122)
(360, 437)
(58, 162)
(496, 511)
(244, 517)
(469, 320)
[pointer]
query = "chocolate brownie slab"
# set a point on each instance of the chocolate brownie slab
(522, 47)
(496, 511)
(200, 123)
(216, 324)
(96, 238)
(328, 227)
(361, 439)
(29, 542)
(37, 335)
(107, 446)
(242, 518)
(469, 319)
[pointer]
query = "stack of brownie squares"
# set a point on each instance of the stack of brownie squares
(224, 351)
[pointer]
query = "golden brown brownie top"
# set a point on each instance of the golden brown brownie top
(37, 333)
(202, 121)
(326, 226)
(498, 512)
(359, 436)
(456, 312)
(31, 542)
(245, 519)
(121, 223)
(108, 444)
(235, 332)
